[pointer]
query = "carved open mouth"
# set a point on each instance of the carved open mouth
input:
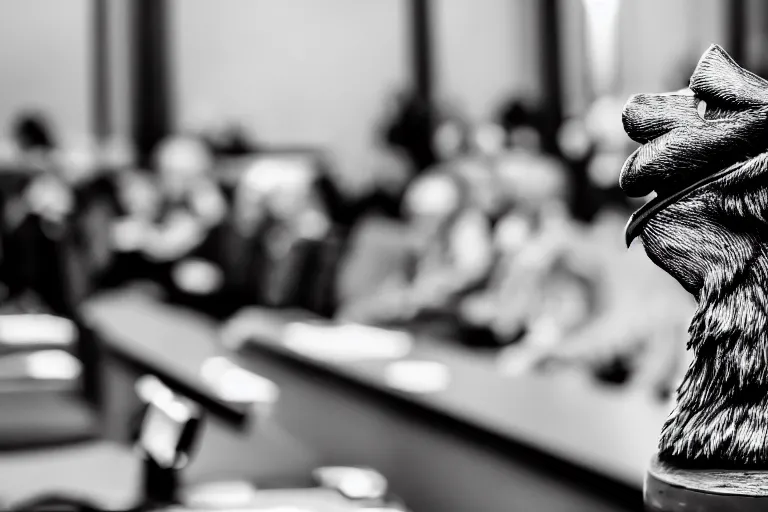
(666, 196)
(663, 199)
(693, 138)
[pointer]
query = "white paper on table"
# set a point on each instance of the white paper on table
(29, 329)
(349, 342)
(235, 384)
(418, 376)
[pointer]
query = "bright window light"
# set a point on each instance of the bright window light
(602, 29)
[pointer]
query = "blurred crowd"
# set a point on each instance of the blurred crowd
(503, 235)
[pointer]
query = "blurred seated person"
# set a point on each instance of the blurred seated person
(595, 147)
(527, 113)
(577, 148)
(531, 287)
(133, 199)
(279, 247)
(379, 189)
(230, 140)
(411, 130)
(170, 221)
(524, 150)
(612, 146)
(33, 151)
(448, 252)
(88, 230)
(101, 199)
(71, 207)
(190, 201)
(629, 338)
(36, 212)
(390, 173)
(529, 141)
(522, 163)
(515, 113)
(34, 139)
(240, 241)
(472, 154)
(404, 145)
(638, 310)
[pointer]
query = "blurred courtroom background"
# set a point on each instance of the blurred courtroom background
(405, 213)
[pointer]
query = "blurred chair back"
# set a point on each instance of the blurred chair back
(52, 261)
(269, 260)
(48, 396)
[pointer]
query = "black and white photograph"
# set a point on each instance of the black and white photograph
(383, 255)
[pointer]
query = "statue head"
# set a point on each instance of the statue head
(705, 154)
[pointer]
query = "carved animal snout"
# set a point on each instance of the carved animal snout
(685, 140)
(648, 116)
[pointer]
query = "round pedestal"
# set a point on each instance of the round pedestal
(668, 489)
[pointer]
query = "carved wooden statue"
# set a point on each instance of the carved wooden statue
(705, 154)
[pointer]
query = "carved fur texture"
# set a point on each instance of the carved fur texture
(713, 242)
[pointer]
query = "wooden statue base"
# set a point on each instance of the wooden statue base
(669, 489)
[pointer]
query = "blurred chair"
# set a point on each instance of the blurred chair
(377, 248)
(444, 252)
(300, 278)
(48, 363)
(47, 396)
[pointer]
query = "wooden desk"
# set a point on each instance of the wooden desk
(483, 443)
(171, 351)
(542, 442)
(142, 336)
(601, 429)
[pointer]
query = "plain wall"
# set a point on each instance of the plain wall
(662, 40)
(119, 67)
(573, 68)
(45, 62)
(485, 52)
(320, 72)
(295, 71)
(757, 28)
